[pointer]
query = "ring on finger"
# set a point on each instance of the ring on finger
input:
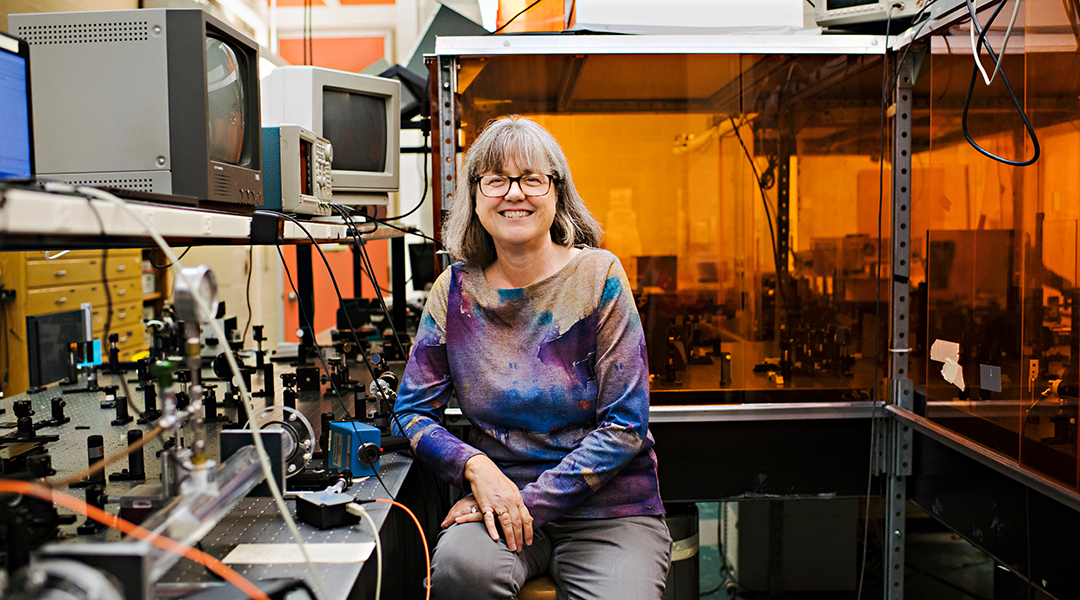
(500, 513)
(473, 509)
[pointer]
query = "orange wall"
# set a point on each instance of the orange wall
(344, 54)
(352, 55)
(547, 15)
(326, 302)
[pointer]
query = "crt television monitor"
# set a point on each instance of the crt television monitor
(16, 134)
(164, 101)
(359, 114)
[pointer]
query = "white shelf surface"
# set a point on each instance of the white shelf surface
(28, 216)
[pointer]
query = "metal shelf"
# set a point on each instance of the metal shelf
(660, 44)
(38, 220)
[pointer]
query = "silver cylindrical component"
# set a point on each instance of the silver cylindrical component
(190, 516)
(195, 289)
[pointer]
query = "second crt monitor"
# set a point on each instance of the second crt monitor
(359, 114)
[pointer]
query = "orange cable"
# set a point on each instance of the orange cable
(92, 512)
(427, 555)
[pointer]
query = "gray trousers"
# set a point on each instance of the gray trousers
(625, 558)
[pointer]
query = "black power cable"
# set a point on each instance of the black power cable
(333, 280)
(104, 272)
(369, 270)
(1008, 86)
(311, 326)
(108, 300)
(5, 344)
(386, 313)
(337, 290)
(383, 484)
(408, 230)
(521, 12)
(768, 215)
(423, 195)
(167, 265)
(877, 300)
(247, 293)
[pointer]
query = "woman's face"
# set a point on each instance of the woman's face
(517, 221)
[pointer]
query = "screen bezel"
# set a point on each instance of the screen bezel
(194, 173)
(294, 94)
(249, 75)
(22, 50)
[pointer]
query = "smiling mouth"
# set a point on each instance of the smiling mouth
(515, 214)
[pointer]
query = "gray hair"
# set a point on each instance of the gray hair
(533, 149)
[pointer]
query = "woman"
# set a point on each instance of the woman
(537, 333)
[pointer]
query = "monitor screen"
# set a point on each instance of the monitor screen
(835, 4)
(14, 114)
(48, 338)
(356, 125)
(422, 261)
(225, 99)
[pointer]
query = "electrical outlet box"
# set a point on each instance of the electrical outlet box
(1033, 372)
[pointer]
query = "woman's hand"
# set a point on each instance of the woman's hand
(499, 502)
(464, 511)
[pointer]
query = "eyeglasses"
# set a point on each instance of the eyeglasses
(498, 186)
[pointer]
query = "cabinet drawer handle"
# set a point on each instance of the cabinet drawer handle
(123, 315)
(121, 268)
(60, 273)
(121, 291)
(61, 300)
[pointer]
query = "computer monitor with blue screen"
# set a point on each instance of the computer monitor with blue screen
(16, 138)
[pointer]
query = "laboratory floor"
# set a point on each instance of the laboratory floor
(940, 566)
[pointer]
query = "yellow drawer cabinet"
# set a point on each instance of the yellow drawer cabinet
(125, 315)
(44, 287)
(58, 299)
(42, 273)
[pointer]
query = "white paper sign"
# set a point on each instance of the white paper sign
(948, 353)
(943, 349)
(280, 554)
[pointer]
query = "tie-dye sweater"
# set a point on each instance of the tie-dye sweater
(553, 378)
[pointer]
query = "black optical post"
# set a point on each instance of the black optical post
(305, 290)
(357, 272)
(397, 273)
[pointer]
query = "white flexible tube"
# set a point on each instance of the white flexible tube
(1004, 43)
(358, 510)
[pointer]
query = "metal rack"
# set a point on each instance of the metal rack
(33, 219)
(813, 449)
